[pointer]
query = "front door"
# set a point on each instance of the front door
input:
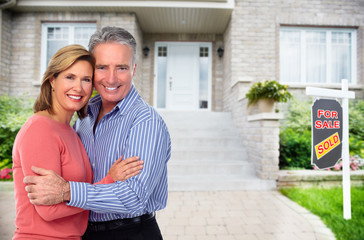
(182, 76)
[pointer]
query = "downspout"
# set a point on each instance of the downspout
(5, 5)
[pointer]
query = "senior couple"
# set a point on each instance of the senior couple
(72, 183)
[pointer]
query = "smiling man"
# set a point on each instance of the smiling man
(119, 123)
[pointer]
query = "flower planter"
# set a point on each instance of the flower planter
(265, 105)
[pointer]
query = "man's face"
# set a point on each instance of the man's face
(113, 73)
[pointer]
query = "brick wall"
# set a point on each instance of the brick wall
(5, 40)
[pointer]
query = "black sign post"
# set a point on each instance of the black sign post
(327, 117)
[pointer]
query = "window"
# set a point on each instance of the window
(58, 35)
(317, 55)
(162, 77)
(204, 78)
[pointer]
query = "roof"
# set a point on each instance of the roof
(203, 16)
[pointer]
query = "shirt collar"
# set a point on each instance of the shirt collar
(122, 107)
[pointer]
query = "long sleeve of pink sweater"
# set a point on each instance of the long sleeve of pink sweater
(45, 143)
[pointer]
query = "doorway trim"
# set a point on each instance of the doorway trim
(199, 45)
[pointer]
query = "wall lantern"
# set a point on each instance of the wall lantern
(220, 52)
(146, 51)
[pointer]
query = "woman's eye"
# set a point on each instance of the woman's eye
(87, 80)
(69, 77)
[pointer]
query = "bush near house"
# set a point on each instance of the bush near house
(14, 112)
(295, 135)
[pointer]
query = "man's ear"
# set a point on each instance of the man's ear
(134, 70)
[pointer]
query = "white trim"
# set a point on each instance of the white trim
(218, 4)
(265, 116)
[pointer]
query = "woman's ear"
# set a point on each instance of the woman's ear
(51, 81)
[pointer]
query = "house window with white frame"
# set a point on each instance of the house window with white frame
(58, 35)
(317, 55)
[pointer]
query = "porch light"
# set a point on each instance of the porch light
(220, 52)
(146, 51)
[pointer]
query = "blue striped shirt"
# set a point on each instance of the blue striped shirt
(132, 128)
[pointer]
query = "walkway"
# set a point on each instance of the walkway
(235, 215)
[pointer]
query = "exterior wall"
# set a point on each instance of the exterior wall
(24, 76)
(252, 44)
(5, 50)
(217, 63)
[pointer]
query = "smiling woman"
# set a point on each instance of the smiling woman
(72, 89)
(69, 63)
(47, 140)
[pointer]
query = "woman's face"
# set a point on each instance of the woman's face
(72, 88)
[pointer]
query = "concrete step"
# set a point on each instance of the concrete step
(208, 154)
(193, 168)
(219, 183)
(218, 141)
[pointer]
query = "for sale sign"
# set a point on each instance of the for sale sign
(326, 133)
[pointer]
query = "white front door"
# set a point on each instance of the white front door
(182, 76)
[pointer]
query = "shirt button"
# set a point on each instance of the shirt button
(93, 164)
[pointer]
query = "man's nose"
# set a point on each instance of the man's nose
(111, 77)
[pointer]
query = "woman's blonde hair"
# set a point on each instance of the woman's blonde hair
(61, 60)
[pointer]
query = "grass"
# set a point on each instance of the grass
(328, 205)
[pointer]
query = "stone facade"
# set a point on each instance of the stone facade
(5, 51)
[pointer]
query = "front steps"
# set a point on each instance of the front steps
(208, 154)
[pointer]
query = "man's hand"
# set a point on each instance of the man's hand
(47, 189)
(124, 169)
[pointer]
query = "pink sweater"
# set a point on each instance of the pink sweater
(46, 143)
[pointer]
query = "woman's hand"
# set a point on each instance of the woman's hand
(125, 169)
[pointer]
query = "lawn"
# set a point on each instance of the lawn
(328, 205)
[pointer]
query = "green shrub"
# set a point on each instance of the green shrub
(14, 112)
(295, 149)
(356, 119)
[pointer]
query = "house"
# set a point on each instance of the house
(199, 56)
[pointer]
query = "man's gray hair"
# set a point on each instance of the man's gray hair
(113, 34)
